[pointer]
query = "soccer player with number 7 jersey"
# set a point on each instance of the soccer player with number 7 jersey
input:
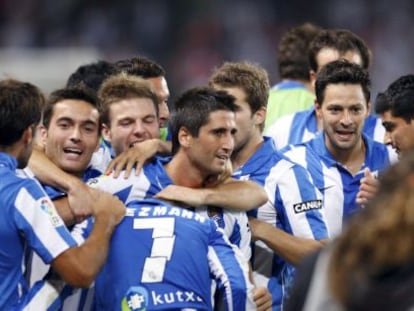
(203, 127)
(162, 257)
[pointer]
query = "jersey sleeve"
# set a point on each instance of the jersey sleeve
(36, 217)
(300, 205)
(241, 235)
(279, 131)
(230, 271)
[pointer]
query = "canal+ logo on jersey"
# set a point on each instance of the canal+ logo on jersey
(307, 206)
(136, 299)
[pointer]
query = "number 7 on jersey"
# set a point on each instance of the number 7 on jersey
(162, 247)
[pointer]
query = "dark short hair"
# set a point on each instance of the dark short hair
(91, 75)
(20, 107)
(399, 85)
(382, 103)
(293, 61)
(402, 105)
(342, 71)
(400, 98)
(341, 40)
(141, 66)
(81, 94)
(192, 110)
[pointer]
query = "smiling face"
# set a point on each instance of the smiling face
(210, 151)
(343, 112)
(398, 132)
(131, 121)
(72, 135)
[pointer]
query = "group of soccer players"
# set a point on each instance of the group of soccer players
(193, 208)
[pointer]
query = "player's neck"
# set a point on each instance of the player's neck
(245, 152)
(352, 159)
(182, 172)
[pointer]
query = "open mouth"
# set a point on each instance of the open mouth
(74, 151)
(345, 135)
(223, 157)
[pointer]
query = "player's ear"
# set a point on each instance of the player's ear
(42, 132)
(368, 108)
(312, 78)
(106, 132)
(184, 137)
(318, 109)
(260, 116)
(28, 134)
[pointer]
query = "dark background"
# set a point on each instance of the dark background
(45, 40)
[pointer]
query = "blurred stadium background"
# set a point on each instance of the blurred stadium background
(43, 41)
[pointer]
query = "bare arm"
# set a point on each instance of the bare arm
(233, 194)
(78, 266)
(64, 205)
(64, 211)
(237, 195)
(49, 173)
(289, 247)
(138, 155)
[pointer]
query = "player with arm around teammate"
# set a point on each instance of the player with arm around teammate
(29, 219)
(162, 257)
(203, 128)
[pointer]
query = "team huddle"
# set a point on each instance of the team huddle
(111, 199)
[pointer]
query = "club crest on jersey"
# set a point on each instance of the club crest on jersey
(307, 206)
(136, 299)
(49, 209)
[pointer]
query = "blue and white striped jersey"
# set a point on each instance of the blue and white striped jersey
(74, 299)
(338, 186)
(28, 219)
(162, 257)
(55, 193)
(302, 126)
(294, 206)
(101, 157)
(152, 179)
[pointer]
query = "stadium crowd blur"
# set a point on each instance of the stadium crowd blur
(191, 37)
(299, 195)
